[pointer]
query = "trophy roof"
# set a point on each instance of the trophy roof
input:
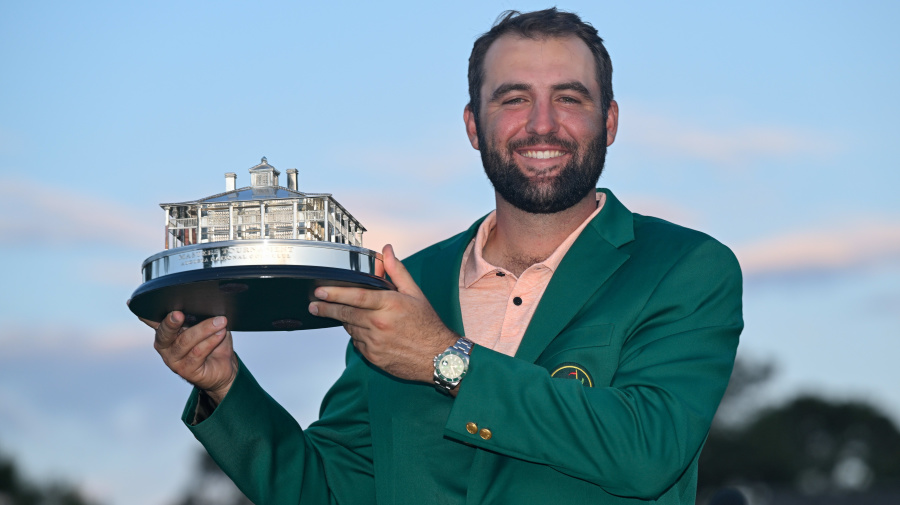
(250, 193)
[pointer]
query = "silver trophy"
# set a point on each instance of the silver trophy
(255, 255)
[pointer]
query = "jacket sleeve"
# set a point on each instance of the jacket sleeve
(273, 461)
(637, 436)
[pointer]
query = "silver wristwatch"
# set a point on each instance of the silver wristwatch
(451, 365)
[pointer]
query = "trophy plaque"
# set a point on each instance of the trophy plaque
(255, 255)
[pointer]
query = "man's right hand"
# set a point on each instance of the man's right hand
(202, 354)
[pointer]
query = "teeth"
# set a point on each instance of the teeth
(542, 155)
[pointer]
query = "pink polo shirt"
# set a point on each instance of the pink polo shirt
(496, 306)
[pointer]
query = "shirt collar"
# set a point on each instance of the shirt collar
(475, 267)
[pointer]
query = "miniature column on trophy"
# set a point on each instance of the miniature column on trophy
(255, 255)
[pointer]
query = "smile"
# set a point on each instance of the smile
(542, 155)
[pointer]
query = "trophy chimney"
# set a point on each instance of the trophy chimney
(230, 181)
(292, 179)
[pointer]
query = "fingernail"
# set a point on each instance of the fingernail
(313, 309)
(219, 322)
(321, 294)
(220, 332)
(172, 317)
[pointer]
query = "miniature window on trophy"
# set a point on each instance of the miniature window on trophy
(255, 255)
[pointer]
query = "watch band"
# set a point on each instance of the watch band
(463, 345)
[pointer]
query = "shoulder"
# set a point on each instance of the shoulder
(682, 273)
(670, 243)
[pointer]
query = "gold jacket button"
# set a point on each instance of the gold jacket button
(472, 428)
(485, 433)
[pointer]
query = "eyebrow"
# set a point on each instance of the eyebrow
(575, 86)
(506, 88)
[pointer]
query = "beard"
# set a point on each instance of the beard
(574, 180)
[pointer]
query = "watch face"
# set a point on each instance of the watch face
(451, 367)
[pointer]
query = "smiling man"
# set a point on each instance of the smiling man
(560, 350)
(548, 124)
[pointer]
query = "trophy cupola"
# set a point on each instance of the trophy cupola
(264, 175)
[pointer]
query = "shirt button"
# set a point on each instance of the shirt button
(472, 428)
(485, 433)
(517, 301)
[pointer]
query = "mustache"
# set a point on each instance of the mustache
(548, 139)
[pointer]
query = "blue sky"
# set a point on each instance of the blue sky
(769, 125)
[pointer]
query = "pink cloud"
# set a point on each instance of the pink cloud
(48, 215)
(828, 249)
(728, 146)
(57, 338)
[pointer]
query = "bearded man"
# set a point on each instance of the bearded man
(560, 350)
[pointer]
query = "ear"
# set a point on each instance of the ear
(471, 128)
(612, 122)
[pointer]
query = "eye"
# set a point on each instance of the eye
(569, 100)
(514, 101)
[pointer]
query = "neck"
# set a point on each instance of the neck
(521, 239)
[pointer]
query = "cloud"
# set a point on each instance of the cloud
(58, 338)
(732, 146)
(36, 214)
(864, 243)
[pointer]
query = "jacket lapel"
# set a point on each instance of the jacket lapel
(591, 260)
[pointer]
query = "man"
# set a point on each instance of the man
(560, 350)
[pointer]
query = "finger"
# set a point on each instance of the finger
(398, 273)
(343, 313)
(168, 329)
(198, 353)
(355, 297)
(187, 339)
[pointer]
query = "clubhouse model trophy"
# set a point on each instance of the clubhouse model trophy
(255, 255)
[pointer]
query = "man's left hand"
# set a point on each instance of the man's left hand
(397, 331)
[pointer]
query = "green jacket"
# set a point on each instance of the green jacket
(650, 313)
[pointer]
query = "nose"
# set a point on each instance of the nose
(542, 120)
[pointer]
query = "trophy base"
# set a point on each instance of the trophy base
(253, 298)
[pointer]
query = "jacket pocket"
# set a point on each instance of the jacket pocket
(583, 352)
(597, 335)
